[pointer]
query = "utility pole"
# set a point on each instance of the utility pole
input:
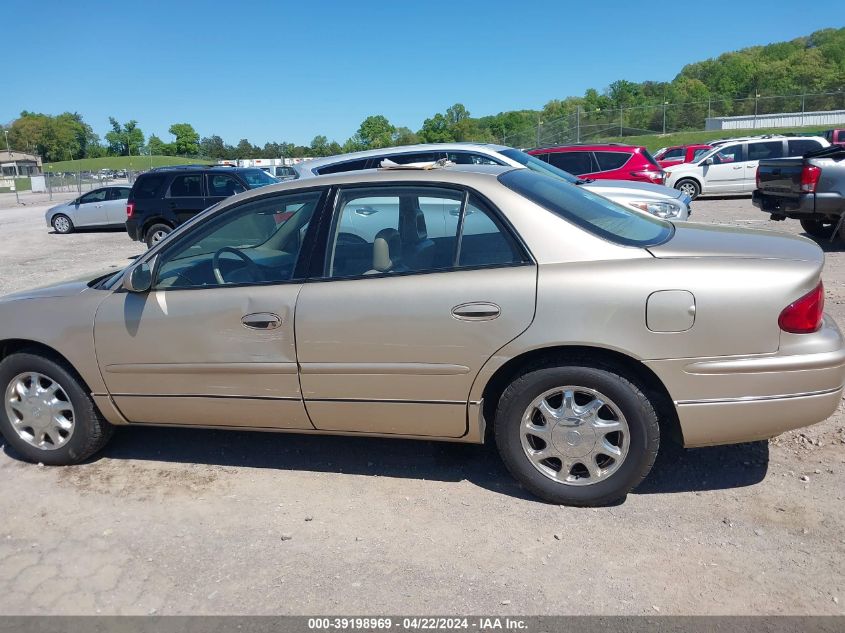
(577, 123)
(803, 94)
(756, 97)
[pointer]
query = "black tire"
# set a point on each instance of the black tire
(689, 186)
(62, 224)
(90, 432)
(639, 413)
(822, 229)
(156, 233)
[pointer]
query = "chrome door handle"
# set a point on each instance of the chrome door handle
(476, 311)
(262, 321)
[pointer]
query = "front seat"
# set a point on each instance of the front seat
(387, 249)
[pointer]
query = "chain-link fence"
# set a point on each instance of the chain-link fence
(758, 112)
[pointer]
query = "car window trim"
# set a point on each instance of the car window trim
(320, 263)
(299, 267)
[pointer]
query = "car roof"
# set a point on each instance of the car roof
(589, 147)
(316, 163)
(450, 174)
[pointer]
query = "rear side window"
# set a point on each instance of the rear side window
(574, 162)
(611, 160)
(591, 212)
(800, 146)
(147, 187)
(350, 165)
(762, 151)
(187, 186)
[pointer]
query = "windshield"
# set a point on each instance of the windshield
(535, 164)
(257, 178)
(592, 212)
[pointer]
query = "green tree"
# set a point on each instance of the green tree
(404, 136)
(213, 147)
(187, 139)
(157, 147)
(125, 139)
(375, 131)
(436, 130)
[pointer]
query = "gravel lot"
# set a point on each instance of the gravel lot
(174, 521)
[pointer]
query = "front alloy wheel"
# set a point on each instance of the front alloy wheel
(40, 411)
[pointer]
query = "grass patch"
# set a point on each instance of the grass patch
(23, 184)
(653, 142)
(132, 163)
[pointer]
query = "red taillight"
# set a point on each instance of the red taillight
(804, 315)
(810, 178)
(130, 209)
(656, 176)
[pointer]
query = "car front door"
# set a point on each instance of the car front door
(392, 335)
(116, 206)
(212, 342)
(91, 209)
(726, 174)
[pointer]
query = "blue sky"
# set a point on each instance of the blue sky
(273, 71)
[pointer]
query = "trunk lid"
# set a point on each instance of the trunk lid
(703, 240)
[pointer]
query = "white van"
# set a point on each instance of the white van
(732, 166)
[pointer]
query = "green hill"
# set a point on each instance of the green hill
(132, 163)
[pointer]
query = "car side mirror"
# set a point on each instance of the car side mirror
(139, 278)
(708, 161)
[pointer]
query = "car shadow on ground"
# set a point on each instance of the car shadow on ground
(676, 469)
(106, 229)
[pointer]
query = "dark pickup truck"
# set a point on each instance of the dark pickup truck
(810, 189)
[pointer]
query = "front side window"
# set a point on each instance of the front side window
(406, 159)
(593, 213)
(470, 158)
(257, 242)
(187, 186)
(728, 154)
(257, 178)
(223, 185)
(413, 229)
(95, 196)
(762, 151)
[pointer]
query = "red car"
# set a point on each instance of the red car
(678, 154)
(605, 162)
(835, 137)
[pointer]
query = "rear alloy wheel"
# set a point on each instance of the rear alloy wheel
(577, 435)
(156, 233)
(62, 224)
(823, 229)
(47, 415)
(689, 187)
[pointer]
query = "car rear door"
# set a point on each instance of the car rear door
(185, 197)
(116, 206)
(393, 343)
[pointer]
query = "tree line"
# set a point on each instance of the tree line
(727, 85)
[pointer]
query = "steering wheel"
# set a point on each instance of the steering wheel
(253, 267)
